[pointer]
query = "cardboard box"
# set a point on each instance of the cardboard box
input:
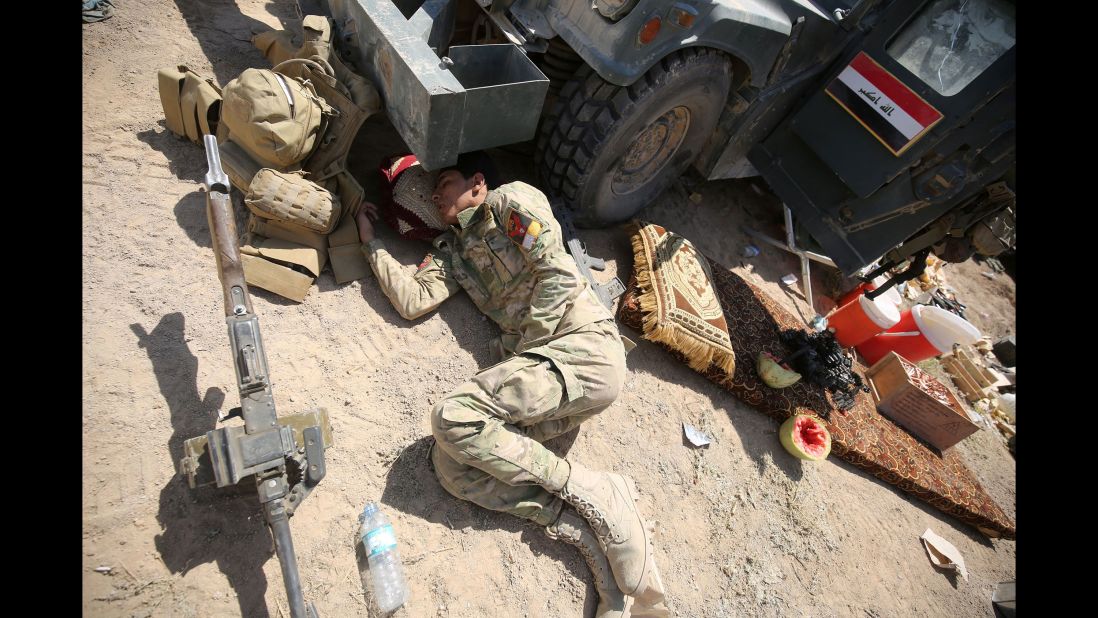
(901, 391)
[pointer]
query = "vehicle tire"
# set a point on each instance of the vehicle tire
(609, 150)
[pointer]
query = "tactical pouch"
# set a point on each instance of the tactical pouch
(285, 268)
(171, 84)
(291, 199)
(192, 103)
(271, 228)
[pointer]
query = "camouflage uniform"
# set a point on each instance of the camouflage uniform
(563, 359)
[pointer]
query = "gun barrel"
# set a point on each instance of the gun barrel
(216, 178)
(287, 559)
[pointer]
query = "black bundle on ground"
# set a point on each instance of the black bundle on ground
(821, 360)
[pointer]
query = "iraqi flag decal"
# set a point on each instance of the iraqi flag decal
(891, 111)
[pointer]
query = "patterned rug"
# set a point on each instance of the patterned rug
(861, 436)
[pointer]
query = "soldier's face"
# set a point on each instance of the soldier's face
(454, 193)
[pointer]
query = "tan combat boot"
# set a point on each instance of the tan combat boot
(572, 529)
(651, 602)
(606, 500)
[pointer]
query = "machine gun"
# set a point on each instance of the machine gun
(284, 455)
(606, 292)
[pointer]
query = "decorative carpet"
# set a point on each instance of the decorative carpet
(861, 436)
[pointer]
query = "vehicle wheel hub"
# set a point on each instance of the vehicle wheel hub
(652, 149)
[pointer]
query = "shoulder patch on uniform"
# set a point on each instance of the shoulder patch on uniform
(426, 262)
(516, 225)
(532, 232)
(523, 229)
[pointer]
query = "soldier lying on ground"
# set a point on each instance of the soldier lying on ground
(562, 362)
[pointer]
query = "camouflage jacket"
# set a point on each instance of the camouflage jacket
(508, 255)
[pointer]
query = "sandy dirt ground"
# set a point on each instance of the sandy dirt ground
(744, 528)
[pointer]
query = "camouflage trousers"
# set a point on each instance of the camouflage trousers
(489, 431)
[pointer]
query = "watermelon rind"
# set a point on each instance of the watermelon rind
(786, 433)
(773, 374)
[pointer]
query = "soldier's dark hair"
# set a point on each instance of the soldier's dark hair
(469, 163)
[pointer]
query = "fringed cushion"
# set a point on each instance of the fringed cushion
(407, 206)
(677, 301)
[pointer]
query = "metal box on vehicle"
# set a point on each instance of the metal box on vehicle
(478, 96)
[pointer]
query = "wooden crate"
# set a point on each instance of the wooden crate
(963, 379)
(895, 383)
(970, 375)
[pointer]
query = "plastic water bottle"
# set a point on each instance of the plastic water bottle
(386, 573)
(1006, 404)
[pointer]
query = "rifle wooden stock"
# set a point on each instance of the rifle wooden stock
(230, 268)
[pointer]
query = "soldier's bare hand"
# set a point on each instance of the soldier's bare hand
(370, 209)
(366, 212)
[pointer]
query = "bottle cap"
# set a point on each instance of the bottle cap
(369, 509)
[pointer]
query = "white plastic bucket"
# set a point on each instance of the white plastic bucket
(944, 329)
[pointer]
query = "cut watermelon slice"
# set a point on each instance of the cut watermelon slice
(773, 373)
(805, 437)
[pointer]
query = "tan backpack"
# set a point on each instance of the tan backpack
(279, 120)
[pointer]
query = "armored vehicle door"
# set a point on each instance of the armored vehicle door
(914, 121)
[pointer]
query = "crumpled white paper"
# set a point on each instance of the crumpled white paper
(696, 437)
(943, 554)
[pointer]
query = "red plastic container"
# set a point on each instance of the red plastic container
(862, 287)
(861, 319)
(923, 332)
